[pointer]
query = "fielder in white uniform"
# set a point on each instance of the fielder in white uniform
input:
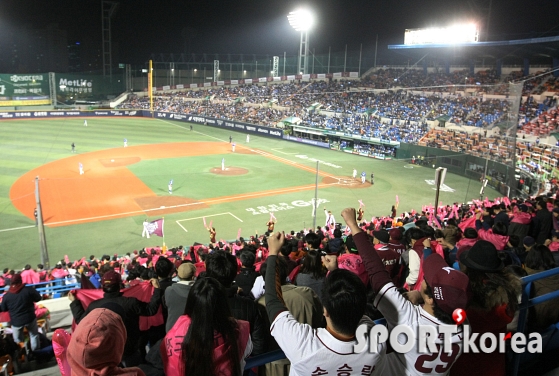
(170, 187)
(145, 231)
(233, 147)
(354, 173)
(125, 142)
(222, 164)
(363, 177)
(443, 290)
(85, 123)
(248, 138)
(323, 351)
(80, 166)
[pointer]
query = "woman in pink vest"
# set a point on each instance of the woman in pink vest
(206, 340)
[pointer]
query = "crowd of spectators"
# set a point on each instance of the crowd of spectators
(398, 114)
(203, 287)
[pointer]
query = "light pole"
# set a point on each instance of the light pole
(302, 20)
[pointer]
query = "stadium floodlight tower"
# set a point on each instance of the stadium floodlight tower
(302, 20)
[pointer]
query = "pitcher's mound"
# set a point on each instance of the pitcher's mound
(229, 171)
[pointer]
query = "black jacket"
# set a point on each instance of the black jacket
(544, 225)
(244, 308)
(245, 279)
(21, 306)
(502, 217)
(133, 309)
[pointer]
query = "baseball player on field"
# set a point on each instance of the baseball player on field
(170, 186)
(363, 177)
(145, 231)
(322, 351)
(354, 173)
(443, 290)
(80, 166)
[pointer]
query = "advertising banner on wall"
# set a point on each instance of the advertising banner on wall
(24, 89)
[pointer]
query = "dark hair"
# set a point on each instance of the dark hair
(313, 239)
(470, 233)
(514, 240)
(221, 266)
(164, 267)
(27, 267)
(441, 315)
(500, 228)
(484, 285)
(312, 264)
(343, 289)
(338, 233)
(209, 312)
(428, 231)
(540, 258)
(415, 233)
(247, 258)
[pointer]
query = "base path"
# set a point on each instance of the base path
(108, 190)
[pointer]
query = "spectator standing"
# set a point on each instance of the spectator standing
(312, 273)
(223, 267)
(424, 307)
(248, 274)
(206, 340)
(133, 309)
(19, 301)
(544, 223)
(320, 351)
(177, 294)
(493, 305)
(30, 276)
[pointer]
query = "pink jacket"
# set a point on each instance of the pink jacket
(466, 242)
(522, 218)
(30, 277)
(171, 350)
(499, 241)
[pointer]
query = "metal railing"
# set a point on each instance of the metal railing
(527, 303)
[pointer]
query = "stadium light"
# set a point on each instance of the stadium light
(302, 20)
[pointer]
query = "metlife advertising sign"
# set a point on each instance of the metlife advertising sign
(74, 84)
(24, 89)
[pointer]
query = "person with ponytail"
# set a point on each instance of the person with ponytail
(206, 340)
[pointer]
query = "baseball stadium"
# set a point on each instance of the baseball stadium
(161, 160)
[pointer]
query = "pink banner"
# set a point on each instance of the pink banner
(156, 227)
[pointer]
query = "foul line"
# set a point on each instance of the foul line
(278, 150)
(16, 228)
(203, 134)
(208, 202)
(205, 216)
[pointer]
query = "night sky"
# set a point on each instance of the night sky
(141, 28)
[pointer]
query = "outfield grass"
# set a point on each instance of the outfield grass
(28, 144)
